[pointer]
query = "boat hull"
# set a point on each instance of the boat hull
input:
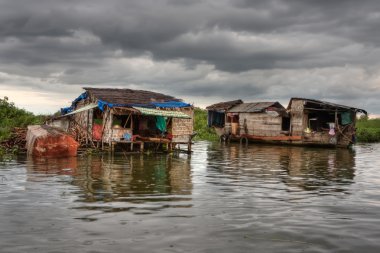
(46, 141)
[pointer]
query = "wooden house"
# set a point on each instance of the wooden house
(250, 121)
(322, 123)
(304, 122)
(217, 115)
(104, 116)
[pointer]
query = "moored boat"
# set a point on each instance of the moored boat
(47, 141)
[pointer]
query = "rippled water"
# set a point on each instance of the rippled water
(222, 198)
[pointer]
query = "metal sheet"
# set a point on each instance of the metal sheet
(251, 107)
(164, 113)
(82, 109)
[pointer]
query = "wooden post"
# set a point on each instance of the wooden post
(105, 118)
(170, 147)
(336, 125)
(112, 147)
(110, 132)
(290, 123)
(142, 147)
(189, 146)
(131, 123)
(87, 120)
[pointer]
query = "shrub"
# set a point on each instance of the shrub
(368, 130)
(11, 116)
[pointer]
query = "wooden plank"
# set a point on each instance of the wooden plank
(274, 138)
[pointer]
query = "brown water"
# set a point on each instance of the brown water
(220, 199)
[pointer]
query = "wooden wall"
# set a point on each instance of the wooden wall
(84, 120)
(107, 126)
(181, 128)
(260, 124)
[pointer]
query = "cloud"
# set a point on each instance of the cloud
(204, 51)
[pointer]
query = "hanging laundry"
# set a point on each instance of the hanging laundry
(161, 123)
(346, 118)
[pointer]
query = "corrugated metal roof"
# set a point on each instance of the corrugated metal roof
(327, 104)
(222, 106)
(164, 113)
(255, 107)
(128, 96)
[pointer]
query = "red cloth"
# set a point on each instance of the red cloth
(134, 137)
(97, 132)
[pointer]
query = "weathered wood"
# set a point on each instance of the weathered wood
(268, 125)
(274, 138)
(180, 129)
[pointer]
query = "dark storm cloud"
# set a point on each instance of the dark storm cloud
(78, 41)
(195, 30)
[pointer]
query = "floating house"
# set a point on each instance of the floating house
(243, 121)
(322, 123)
(108, 117)
(303, 122)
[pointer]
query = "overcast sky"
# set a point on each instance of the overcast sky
(201, 51)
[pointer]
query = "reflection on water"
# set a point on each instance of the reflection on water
(222, 198)
(134, 179)
(305, 168)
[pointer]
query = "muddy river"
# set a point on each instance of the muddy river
(222, 198)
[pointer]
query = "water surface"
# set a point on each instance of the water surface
(222, 198)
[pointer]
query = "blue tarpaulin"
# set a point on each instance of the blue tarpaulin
(170, 104)
(215, 118)
(102, 103)
(81, 97)
(66, 110)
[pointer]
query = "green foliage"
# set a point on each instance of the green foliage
(368, 135)
(11, 116)
(368, 123)
(200, 126)
(368, 130)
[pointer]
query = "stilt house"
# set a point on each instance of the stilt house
(103, 116)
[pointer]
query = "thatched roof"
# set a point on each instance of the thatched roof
(256, 107)
(128, 96)
(224, 106)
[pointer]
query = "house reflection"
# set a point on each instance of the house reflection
(120, 178)
(302, 167)
(315, 169)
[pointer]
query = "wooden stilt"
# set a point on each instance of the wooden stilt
(170, 147)
(142, 147)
